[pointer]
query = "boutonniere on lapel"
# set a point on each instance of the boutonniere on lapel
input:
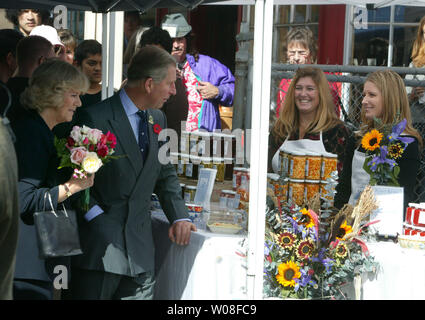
(150, 119)
(157, 128)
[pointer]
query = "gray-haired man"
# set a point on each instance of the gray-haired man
(116, 233)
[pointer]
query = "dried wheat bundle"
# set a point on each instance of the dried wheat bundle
(364, 207)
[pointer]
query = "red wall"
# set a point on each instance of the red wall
(331, 34)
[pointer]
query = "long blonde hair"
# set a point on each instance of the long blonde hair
(418, 51)
(289, 119)
(394, 101)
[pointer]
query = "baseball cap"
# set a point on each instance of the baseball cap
(176, 25)
(49, 33)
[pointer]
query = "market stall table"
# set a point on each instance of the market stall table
(210, 267)
(401, 275)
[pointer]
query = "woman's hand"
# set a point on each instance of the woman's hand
(73, 186)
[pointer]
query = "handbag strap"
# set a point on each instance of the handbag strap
(47, 195)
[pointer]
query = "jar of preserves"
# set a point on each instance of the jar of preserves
(181, 166)
(182, 186)
(218, 164)
(205, 162)
(203, 143)
(184, 142)
(236, 178)
(283, 164)
(229, 199)
(296, 191)
(297, 165)
(313, 166)
(191, 167)
(329, 165)
(312, 187)
(189, 193)
(273, 183)
(228, 170)
(229, 145)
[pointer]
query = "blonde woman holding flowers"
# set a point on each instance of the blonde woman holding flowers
(384, 103)
(52, 97)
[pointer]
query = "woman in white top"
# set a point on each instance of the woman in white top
(384, 98)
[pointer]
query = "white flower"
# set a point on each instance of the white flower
(94, 135)
(91, 163)
(76, 134)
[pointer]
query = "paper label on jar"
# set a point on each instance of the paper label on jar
(223, 202)
(180, 168)
(192, 146)
(306, 167)
(285, 165)
(235, 201)
(234, 180)
(183, 144)
(189, 169)
(226, 146)
(322, 169)
(244, 182)
(214, 147)
(201, 147)
(290, 193)
(187, 197)
(291, 165)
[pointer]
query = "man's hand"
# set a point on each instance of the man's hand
(207, 90)
(179, 232)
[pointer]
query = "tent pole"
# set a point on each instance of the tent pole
(263, 38)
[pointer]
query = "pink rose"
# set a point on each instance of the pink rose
(78, 154)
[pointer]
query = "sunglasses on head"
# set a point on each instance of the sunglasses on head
(58, 50)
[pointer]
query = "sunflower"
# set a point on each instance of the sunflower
(306, 218)
(286, 239)
(341, 250)
(344, 229)
(287, 273)
(395, 150)
(305, 249)
(371, 140)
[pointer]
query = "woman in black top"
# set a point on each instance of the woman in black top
(308, 118)
(52, 97)
(384, 98)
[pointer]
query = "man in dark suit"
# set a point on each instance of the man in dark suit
(116, 233)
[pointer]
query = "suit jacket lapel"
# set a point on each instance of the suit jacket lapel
(123, 131)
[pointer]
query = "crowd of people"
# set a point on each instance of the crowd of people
(54, 83)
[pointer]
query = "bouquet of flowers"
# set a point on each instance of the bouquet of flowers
(382, 151)
(85, 150)
(310, 254)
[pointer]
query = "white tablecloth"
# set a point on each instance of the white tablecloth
(401, 275)
(208, 268)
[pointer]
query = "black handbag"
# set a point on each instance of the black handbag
(57, 232)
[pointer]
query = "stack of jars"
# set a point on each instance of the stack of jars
(240, 184)
(306, 173)
(206, 150)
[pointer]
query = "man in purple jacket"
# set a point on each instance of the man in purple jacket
(208, 83)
